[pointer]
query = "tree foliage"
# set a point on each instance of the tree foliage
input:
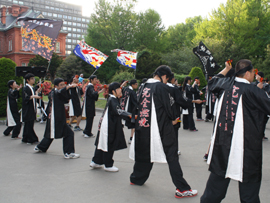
(197, 72)
(7, 72)
(42, 62)
(123, 75)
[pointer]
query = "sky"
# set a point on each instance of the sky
(171, 11)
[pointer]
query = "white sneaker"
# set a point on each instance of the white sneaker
(41, 122)
(93, 165)
(37, 150)
(71, 156)
(87, 136)
(179, 153)
(111, 169)
(187, 193)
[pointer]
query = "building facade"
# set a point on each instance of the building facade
(74, 23)
(10, 35)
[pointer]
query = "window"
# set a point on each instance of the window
(74, 18)
(87, 21)
(24, 64)
(55, 15)
(57, 47)
(83, 19)
(74, 29)
(69, 28)
(57, 9)
(74, 35)
(64, 28)
(68, 40)
(69, 35)
(69, 46)
(78, 35)
(78, 30)
(69, 23)
(44, 13)
(10, 45)
(61, 9)
(65, 22)
(74, 41)
(69, 17)
(79, 19)
(20, 2)
(47, 7)
(74, 24)
(64, 16)
(14, 1)
(68, 52)
(52, 8)
(59, 16)
(49, 14)
(79, 24)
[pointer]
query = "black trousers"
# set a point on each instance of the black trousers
(216, 189)
(141, 172)
(198, 111)
(29, 134)
(188, 121)
(265, 120)
(89, 125)
(68, 142)
(16, 130)
(101, 157)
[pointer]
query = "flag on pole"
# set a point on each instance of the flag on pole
(206, 58)
(39, 35)
(89, 54)
(126, 58)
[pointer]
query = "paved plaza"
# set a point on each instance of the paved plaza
(27, 177)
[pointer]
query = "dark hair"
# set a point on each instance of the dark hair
(185, 82)
(163, 70)
(261, 74)
(132, 82)
(241, 64)
(10, 83)
(57, 81)
(170, 78)
(28, 76)
(144, 80)
(113, 86)
(92, 77)
(196, 78)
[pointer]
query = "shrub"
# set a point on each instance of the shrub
(180, 78)
(123, 75)
(7, 72)
(197, 72)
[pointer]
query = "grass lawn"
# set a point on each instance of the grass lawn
(101, 103)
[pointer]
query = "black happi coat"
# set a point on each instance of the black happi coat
(155, 139)
(75, 108)
(56, 123)
(13, 116)
(236, 145)
(124, 99)
(28, 105)
(131, 105)
(179, 101)
(190, 91)
(110, 135)
(210, 100)
(197, 93)
(90, 97)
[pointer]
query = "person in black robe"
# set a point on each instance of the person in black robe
(13, 116)
(56, 126)
(75, 107)
(110, 135)
(89, 109)
(131, 103)
(258, 77)
(189, 91)
(236, 144)
(197, 95)
(209, 103)
(29, 109)
(178, 101)
(141, 85)
(155, 139)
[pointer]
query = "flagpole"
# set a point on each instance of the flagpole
(94, 72)
(48, 65)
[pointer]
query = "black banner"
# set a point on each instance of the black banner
(206, 58)
(39, 35)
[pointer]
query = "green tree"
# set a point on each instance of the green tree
(197, 72)
(122, 75)
(42, 62)
(7, 72)
(242, 26)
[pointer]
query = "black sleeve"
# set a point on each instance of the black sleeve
(116, 109)
(91, 93)
(27, 93)
(14, 94)
(164, 98)
(181, 100)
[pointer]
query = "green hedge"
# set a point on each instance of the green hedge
(180, 78)
(197, 72)
(7, 72)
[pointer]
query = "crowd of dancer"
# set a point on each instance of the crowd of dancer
(237, 105)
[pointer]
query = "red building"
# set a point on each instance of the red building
(11, 39)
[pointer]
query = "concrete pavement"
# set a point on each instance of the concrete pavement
(27, 177)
